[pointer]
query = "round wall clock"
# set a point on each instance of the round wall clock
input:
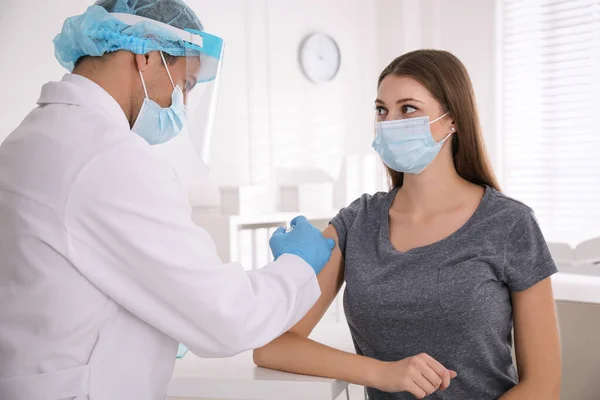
(319, 57)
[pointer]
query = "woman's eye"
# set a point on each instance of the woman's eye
(380, 110)
(406, 109)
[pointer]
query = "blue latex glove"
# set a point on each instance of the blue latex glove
(181, 351)
(305, 241)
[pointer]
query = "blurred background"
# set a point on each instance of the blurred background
(535, 66)
(295, 117)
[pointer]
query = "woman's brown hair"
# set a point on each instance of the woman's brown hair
(448, 81)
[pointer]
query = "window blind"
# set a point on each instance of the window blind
(550, 88)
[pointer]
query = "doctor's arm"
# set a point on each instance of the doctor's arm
(130, 233)
(295, 352)
(537, 344)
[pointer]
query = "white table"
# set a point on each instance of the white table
(577, 283)
(237, 378)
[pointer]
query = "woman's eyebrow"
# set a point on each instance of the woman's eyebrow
(377, 101)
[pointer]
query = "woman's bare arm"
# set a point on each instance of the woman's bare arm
(537, 344)
(294, 352)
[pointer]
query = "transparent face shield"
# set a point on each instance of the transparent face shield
(201, 94)
(197, 71)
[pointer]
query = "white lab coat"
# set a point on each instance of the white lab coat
(103, 272)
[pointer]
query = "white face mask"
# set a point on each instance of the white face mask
(407, 145)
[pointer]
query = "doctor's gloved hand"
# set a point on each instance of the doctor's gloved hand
(305, 241)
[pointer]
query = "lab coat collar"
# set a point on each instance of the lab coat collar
(77, 90)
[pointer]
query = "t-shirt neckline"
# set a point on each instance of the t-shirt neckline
(385, 231)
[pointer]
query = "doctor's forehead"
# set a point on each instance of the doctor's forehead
(187, 65)
(394, 88)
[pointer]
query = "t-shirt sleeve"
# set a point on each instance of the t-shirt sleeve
(344, 220)
(527, 259)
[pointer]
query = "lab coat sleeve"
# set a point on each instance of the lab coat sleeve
(130, 233)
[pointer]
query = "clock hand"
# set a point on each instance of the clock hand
(319, 56)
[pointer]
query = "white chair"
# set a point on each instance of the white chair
(562, 253)
(586, 253)
(589, 251)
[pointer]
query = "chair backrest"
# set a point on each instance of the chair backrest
(562, 253)
(589, 251)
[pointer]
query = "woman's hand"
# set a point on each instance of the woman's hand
(419, 375)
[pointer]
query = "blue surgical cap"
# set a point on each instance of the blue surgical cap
(96, 32)
(171, 12)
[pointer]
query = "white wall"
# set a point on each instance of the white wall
(281, 119)
(269, 115)
(28, 54)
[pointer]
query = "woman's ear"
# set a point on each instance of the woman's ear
(452, 124)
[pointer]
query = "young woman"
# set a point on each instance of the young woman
(439, 269)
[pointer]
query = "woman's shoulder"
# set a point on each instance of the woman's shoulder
(526, 257)
(372, 201)
(506, 206)
(506, 213)
(365, 207)
(364, 211)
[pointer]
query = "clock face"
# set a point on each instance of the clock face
(319, 57)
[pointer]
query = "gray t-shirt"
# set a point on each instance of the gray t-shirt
(450, 299)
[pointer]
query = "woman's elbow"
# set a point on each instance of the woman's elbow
(547, 388)
(551, 389)
(259, 356)
(553, 383)
(555, 389)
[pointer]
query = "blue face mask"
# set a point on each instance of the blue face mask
(406, 145)
(158, 125)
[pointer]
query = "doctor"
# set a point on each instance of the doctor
(102, 271)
